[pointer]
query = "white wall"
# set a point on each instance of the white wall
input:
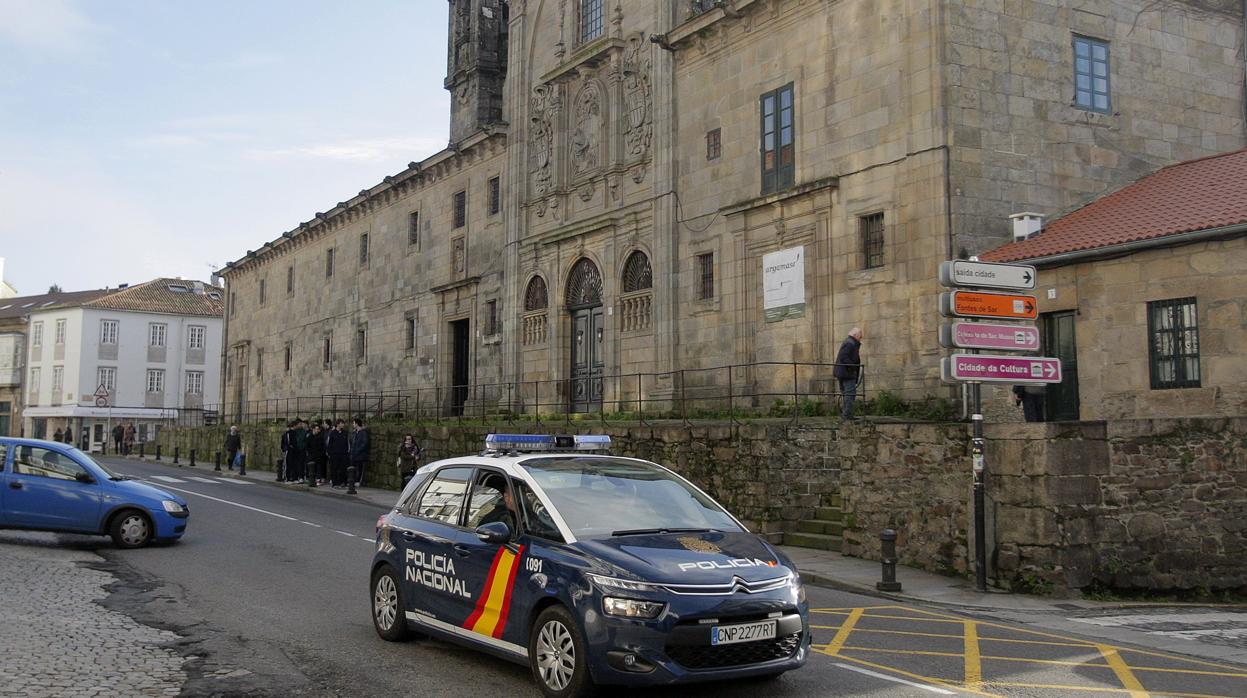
(46, 362)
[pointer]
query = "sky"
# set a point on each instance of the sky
(150, 138)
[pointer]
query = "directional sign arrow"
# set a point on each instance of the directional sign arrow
(961, 272)
(1026, 276)
(1009, 306)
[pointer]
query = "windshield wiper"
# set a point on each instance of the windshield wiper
(650, 531)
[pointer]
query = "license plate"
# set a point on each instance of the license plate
(744, 632)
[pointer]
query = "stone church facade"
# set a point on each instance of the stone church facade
(643, 200)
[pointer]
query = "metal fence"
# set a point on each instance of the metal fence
(771, 388)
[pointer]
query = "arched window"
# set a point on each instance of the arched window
(535, 298)
(584, 285)
(636, 273)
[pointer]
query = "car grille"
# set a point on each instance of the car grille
(715, 657)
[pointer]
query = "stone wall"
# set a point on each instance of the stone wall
(1135, 504)
(1148, 504)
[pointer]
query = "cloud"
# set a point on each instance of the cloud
(46, 26)
(356, 150)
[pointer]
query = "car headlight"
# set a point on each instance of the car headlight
(173, 507)
(621, 584)
(631, 608)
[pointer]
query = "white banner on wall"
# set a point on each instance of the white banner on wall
(783, 284)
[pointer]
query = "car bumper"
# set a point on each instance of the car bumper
(676, 647)
(169, 527)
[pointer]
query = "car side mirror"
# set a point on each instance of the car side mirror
(84, 478)
(497, 532)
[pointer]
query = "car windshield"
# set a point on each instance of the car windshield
(599, 496)
(82, 456)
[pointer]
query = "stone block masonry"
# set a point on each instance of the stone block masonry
(1134, 504)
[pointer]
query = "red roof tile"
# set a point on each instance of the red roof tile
(1210, 192)
(173, 296)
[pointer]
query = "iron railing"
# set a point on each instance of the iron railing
(771, 388)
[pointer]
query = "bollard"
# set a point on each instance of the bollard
(157, 451)
(889, 583)
(192, 463)
(242, 464)
(177, 451)
(217, 460)
(142, 448)
(350, 480)
(311, 474)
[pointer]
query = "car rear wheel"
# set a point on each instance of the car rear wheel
(558, 656)
(388, 613)
(131, 529)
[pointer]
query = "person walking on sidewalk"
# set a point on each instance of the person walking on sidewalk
(316, 454)
(233, 444)
(360, 446)
(286, 437)
(408, 457)
(848, 369)
(339, 453)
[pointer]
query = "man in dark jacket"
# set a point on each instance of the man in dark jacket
(848, 369)
(296, 457)
(316, 454)
(119, 433)
(233, 444)
(287, 438)
(360, 446)
(339, 453)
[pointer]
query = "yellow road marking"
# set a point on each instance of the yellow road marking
(974, 665)
(843, 634)
(1122, 670)
(942, 683)
(884, 650)
(1195, 672)
(1097, 689)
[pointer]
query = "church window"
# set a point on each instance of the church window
(591, 19)
(778, 140)
(637, 275)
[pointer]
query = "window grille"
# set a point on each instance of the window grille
(535, 297)
(637, 275)
(1173, 328)
(413, 228)
(328, 262)
(714, 144)
(584, 285)
(705, 265)
(461, 209)
(872, 240)
(495, 195)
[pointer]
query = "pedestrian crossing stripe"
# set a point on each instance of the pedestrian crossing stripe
(490, 615)
(210, 481)
(166, 478)
(233, 482)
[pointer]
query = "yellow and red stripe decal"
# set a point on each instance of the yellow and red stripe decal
(490, 615)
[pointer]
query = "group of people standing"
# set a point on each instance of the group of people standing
(123, 438)
(324, 451)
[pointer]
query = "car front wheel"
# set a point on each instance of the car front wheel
(557, 655)
(388, 614)
(131, 529)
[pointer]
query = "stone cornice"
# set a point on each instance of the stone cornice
(454, 158)
(679, 36)
(470, 281)
(789, 193)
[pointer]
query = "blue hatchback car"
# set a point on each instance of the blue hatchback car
(49, 486)
(592, 569)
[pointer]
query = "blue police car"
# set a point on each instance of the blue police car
(50, 486)
(590, 568)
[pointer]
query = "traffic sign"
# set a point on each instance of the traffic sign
(101, 396)
(985, 274)
(101, 402)
(1008, 306)
(988, 368)
(986, 335)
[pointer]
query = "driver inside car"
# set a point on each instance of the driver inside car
(502, 508)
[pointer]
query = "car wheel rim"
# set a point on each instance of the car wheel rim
(556, 655)
(134, 530)
(385, 602)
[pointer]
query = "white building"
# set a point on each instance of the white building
(143, 354)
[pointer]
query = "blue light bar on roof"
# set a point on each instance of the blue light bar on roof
(527, 443)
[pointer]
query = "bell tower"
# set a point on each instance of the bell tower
(476, 64)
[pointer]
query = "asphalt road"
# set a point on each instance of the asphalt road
(269, 588)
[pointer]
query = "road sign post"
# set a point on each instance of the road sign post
(975, 368)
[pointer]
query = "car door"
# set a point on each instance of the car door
(4, 480)
(48, 489)
(433, 584)
(495, 565)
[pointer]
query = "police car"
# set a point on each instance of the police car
(590, 568)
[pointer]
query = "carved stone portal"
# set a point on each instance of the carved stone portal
(545, 104)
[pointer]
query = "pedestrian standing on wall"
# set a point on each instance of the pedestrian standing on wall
(233, 444)
(360, 446)
(408, 457)
(848, 370)
(339, 452)
(1031, 398)
(316, 454)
